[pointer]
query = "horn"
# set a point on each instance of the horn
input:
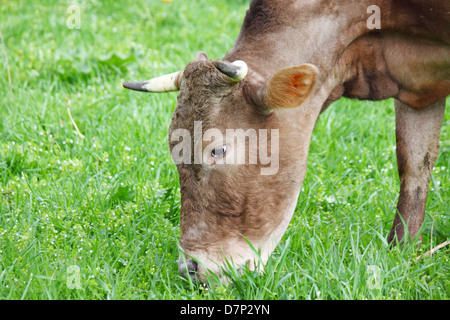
(166, 83)
(236, 70)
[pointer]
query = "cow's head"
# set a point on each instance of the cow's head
(236, 141)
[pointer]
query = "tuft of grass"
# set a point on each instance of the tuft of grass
(89, 201)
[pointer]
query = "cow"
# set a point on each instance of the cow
(291, 60)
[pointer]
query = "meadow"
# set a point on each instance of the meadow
(89, 196)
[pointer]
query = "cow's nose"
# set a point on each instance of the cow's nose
(188, 268)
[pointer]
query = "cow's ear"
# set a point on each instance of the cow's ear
(201, 56)
(290, 87)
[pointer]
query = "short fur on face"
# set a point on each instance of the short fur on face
(222, 205)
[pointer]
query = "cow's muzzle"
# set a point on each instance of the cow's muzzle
(188, 268)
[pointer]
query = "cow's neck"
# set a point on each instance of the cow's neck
(274, 37)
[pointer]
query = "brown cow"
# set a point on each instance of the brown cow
(299, 57)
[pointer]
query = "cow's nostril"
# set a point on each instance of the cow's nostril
(191, 265)
(188, 268)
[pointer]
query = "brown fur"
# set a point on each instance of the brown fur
(408, 59)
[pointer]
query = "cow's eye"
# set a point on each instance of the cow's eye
(219, 151)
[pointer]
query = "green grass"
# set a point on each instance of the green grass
(108, 203)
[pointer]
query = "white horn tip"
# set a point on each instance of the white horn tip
(243, 69)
